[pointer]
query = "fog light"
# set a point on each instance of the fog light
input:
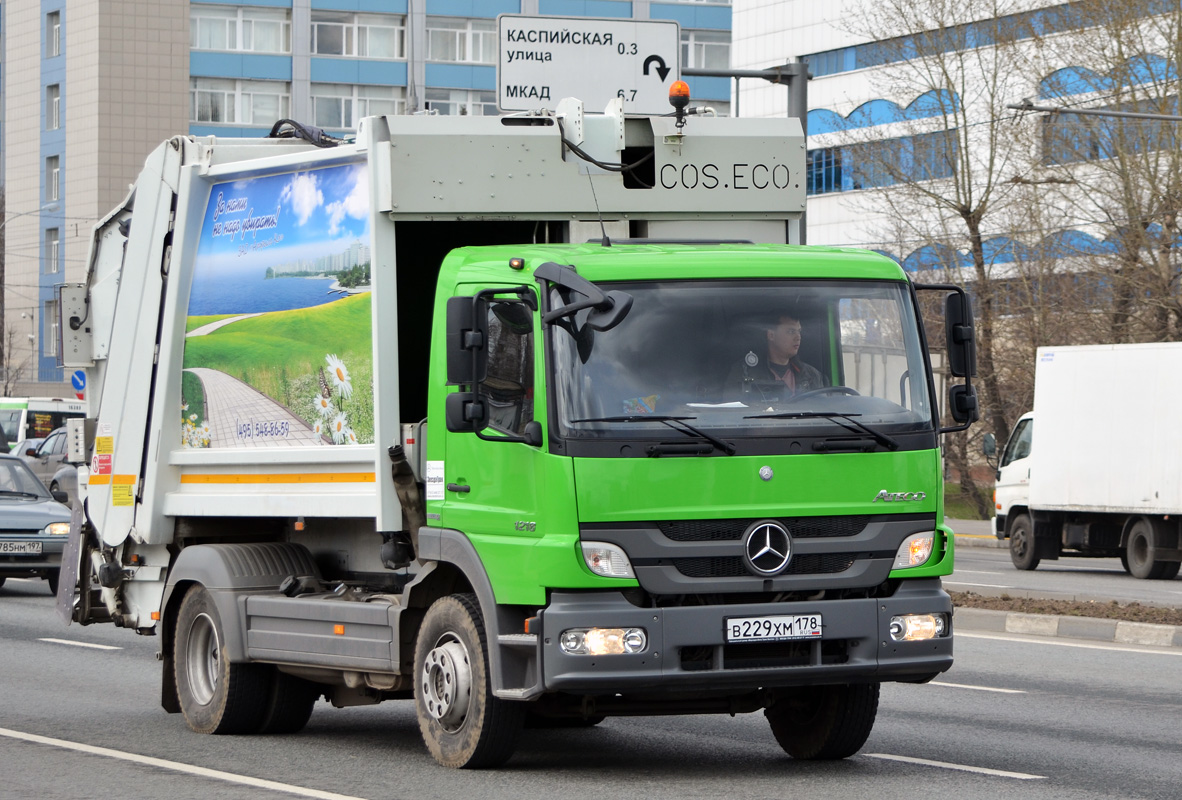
(915, 550)
(607, 560)
(917, 627)
(603, 641)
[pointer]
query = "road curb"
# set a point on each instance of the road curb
(980, 540)
(1090, 628)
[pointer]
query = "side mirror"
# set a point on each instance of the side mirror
(989, 445)
(32, 451)
(466, 412)
(962, 404)
(962, 345)
(467, 340)
(60, 496)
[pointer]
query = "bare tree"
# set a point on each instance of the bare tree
(11, 373)
(1123, 176)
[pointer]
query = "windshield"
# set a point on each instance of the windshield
(16, 479)
(755, 359)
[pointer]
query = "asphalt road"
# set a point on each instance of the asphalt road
(990, 572)
(1015, 717)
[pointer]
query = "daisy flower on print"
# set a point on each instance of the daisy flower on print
(340, 375)
(318, 427)
(351, 437)
(338, 428)
(323, 405)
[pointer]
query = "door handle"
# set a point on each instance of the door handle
(459, 487)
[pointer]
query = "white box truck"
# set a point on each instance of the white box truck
(375, 421)
(1103, 476)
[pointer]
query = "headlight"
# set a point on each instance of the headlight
(917, 627)
(607, 560)
(603, 641)
(57, 528)
(915, 550)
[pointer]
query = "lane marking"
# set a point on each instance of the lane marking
(81, 644)
(998, 773)
(1159, 651)
(977, 688)
(977, 572)
(966, 583)
(176, 766)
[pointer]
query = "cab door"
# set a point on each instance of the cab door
(492, 488)
(1013, 472)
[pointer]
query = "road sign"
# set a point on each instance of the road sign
(544, 59)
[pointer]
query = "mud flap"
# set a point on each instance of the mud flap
(71, 558)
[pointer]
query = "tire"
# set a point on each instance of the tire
(1171, 570)
(1124, 561)
(1022, 550)
(1141, 552)
(51, 578)
(215, 695)
(463, 725)
(290, 704)
(820, 723)
(2, 579)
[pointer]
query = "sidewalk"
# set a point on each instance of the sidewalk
(974, 533)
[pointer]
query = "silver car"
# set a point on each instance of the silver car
(33, 524)
(47, 458)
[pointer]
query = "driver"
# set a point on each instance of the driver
(780, 375)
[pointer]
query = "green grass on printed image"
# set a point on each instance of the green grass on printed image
(193, 394)
(280, 353)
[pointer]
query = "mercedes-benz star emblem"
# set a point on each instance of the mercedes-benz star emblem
(767, 547)
(766, 473)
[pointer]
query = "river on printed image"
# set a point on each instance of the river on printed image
(251, 293)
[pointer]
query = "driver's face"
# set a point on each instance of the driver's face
(784, 339)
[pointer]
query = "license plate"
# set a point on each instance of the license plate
(21, 548)
(773, 629)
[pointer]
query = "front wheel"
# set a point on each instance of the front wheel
(1022, 550)
(216, 696)
(463, 724)
(824, 722)
(51, 578)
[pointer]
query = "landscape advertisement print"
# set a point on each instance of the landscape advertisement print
(278, 342)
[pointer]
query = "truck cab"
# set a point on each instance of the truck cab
(1011, 496)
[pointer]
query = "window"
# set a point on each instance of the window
(53, 34)
(52, 178)
(53, 107)
(464, 40)
(52, 250)
(705, 49)
(509, 385)
(51, 328)
(243, 102)
(359, 35)
(1018, 446)
(461, 102)
(338, 105)
(255, 30)
(870, 165)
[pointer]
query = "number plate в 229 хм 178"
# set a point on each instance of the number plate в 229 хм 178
(773, 629)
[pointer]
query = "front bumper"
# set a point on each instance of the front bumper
(687, 649)
(49, 559)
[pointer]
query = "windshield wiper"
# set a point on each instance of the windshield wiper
(681, 425)
(10, 493)
(841, 419)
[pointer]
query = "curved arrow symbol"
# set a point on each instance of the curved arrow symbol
(662, 70)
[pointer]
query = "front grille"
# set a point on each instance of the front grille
(724, 530)
(732, 567)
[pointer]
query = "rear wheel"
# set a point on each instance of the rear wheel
(824, 722)
(463, 724)
(216, 696)
(289, 705)
(1022, 550)
(1141, 551)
